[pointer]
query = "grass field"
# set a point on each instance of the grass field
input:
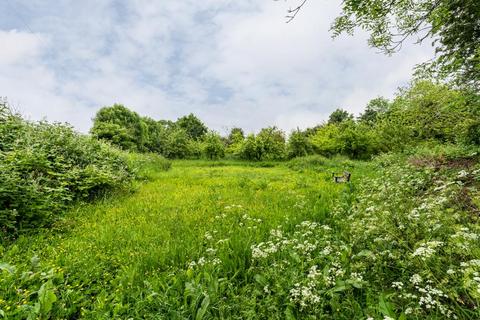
(133, 255)
(234, 240)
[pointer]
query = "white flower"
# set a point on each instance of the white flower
(426, 250)
(398, 285)
(313, 273)
(201, 261)
(211, 250)
(416, 279)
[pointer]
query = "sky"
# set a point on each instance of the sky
(231, 63)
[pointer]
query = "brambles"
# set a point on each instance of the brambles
(44, 168)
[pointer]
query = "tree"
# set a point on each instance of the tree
(375, 108)
(155, 135)
(339, 116)
(120, 126)
(325, 140)
(431, 111)
(250, 149)
(298, 144)
(213, 147)
(452, 24)
(193, 126)
(236, 135)
(271, 140)
(177, 144)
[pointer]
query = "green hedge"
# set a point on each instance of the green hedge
(45, 167)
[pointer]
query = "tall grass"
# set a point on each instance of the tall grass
(241, 242)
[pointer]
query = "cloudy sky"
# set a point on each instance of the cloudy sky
(232, 63)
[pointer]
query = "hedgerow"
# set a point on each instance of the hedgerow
(45, 167)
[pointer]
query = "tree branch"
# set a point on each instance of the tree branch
(292, 13)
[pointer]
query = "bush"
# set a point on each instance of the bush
(313, 162)
(470, 132)
(298, 144)
(120, 126)
(45, 167)
(357, 141)
(271, 142)
(250, 149)
(177, 144)
(325, 140)
(212, 146)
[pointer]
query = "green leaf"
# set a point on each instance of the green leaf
(261, 280)
(35, 261)
(7, 267)
(46, 297)
(203, 308)
(385, 307)
(289, 314)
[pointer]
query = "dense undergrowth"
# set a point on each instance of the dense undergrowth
(45, 168)
(231, 240)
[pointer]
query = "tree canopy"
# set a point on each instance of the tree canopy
(452, 25)
(339, 115)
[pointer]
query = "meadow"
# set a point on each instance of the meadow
(258, 240)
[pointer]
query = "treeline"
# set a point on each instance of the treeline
(424, 111)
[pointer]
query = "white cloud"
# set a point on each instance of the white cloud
(230, 62)
(20, 47)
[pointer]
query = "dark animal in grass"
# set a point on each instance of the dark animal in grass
(341, 178)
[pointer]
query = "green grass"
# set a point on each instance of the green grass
(241, 240)
(109, 251)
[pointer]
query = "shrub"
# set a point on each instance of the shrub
(177, 144)
(212, 146)
(325, 141)
(250, 149)
(45, 167)
(298, 144)
(357, 141)
(120, 126)
(313, 162)
(155, 136)
(271, 142)
(470, 132)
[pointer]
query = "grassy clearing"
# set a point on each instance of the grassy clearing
(231, 239)
(130, 255)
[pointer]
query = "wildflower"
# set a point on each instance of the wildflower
(201, 261)
(313, 273)
(416, 279)
(397, 285)
(427, 250)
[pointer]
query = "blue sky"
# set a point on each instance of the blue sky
(233, 63)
